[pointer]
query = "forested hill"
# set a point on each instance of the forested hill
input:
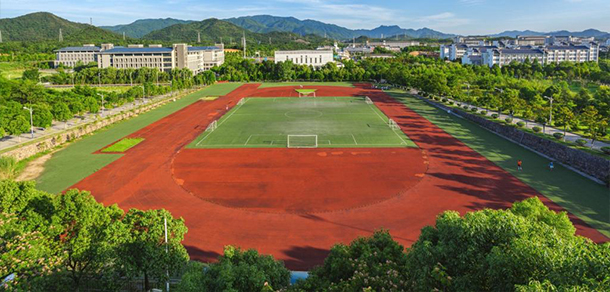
(44, 26)
(141, 27)
(267, 23)
(214, 31)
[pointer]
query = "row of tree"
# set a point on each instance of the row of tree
(50, 105)
(70, 242)
(522, 89)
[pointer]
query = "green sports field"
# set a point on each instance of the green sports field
(271, 122)
(279, 84)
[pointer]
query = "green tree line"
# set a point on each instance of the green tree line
(69, 242)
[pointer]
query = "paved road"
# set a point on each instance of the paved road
(57, 127)
(530, 124)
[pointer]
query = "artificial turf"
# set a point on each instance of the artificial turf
(337, 121)
(77, 160)
(279, 84)
(580, 196)
(123, 145)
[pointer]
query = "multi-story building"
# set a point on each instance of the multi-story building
(471, 40)
(316, 58)
(503, 57)
(197, 59)
(572, 53)
(532, 40)
(70, 56)
(544, 55)
(474, 55)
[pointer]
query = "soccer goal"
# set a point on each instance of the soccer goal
(241, 101)
(393, 125)
(368, 100)
(212, 126)
(306, 92)
(302, 141)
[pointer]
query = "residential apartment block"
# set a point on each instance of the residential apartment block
(316, 58)
(197, 59)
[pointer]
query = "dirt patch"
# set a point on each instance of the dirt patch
(34, 168)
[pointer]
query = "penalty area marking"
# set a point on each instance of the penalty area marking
(224, 120)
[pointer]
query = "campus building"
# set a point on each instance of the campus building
(532, 40)
(316, 58)
(544, 54)
(197, 59)
(70, 56)
(503, 57)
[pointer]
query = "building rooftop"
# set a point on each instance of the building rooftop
(204, 48)
(521, 51)
(118, 50)
(568, 48)
(79, 49)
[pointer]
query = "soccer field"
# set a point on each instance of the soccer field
(324, 121)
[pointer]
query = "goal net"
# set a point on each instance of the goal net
(393, 125)
(241, 101)
(368, 100)
(212, 126)
(302, 141)
(307, 94)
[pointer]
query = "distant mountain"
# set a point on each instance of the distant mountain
(585, 33)
(268, 23)
(44, 26)
(141, 27)
(214, 31)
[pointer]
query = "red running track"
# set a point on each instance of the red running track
(193, 184)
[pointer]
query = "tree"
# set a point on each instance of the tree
(18, 125)
(376, 262)
(31, 74)
(42, 116)
(62, 112)
(494, 250)
(90, 236)
(596, 124)
(237, 270)
(563, 117)
(144, 251)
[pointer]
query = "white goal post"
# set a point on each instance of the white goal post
(302, 141)
(393, 125)
(307, 95)
(212, 126)
(241, 101)
(368, 100)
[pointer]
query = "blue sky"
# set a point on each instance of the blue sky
(451, 16)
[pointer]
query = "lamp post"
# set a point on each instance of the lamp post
(143, 94)
(31, 119)
(166, 251)
(102, 109)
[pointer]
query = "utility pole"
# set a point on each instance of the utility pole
(31, 119)
(198, 37)
(551, 111)
(90, 20)
(0, 36)
(123, 35)
(61, 37)
(102, 109)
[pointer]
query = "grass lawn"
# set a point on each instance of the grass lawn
(76, 161)
(305, 83)
(123, 145)
(12, 70)
(580, 196)
(118, 89)
(337, 122)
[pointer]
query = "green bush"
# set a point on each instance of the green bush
(445, 100)
(451, 102)
(581, 142)
(8, 167)
(521, 124)
(509, 120)
(473, 109)
(465, 107)
(605, 149)
(484, 112)
(537, 129)
(558, 135)
(494, 116)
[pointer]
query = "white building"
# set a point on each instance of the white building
(197, 59)
(70, 56)
(532, 40)
(316, 58)
(474, 55)
(503, 57)
(608, 42)
(571, 53)
(544, 55)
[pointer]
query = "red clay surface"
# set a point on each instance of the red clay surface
(457, 178)
(298, 180)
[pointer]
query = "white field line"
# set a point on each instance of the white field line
(236, 109)
(354, 139)
(248, 140)
(380, 117)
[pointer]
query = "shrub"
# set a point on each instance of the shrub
(473, 109)
(605, 149)
(581, 142)
(521, 124)
(494, 116)
(509, 120)
(558, 135)
(451, 102)
(8, 167)
(537, 129)
(465, 107)
(445, 100)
